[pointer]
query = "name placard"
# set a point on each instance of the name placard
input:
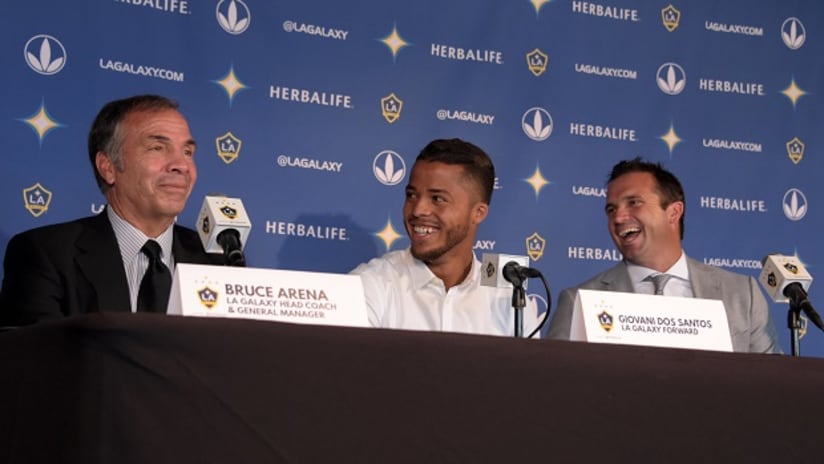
(268, 294)
(650, 320)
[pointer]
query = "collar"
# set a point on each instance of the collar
(130, 240)
(679, 269)
(423, 276)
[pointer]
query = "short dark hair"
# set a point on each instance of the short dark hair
(105, 135)
(666, 184)
(476, 163)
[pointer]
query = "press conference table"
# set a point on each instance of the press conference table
(121, 388)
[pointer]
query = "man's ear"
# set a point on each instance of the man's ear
(479, 212)
(674, 212)
(105, 167)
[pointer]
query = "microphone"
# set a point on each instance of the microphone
(223, 227)
(786, 280)
(511, 271)
(503, 271)
(516, 274)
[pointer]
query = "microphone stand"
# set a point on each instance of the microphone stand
(799, 302)
(794, 324)
(518, 304)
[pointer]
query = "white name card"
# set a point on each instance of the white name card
(268, 294)
(649, 320)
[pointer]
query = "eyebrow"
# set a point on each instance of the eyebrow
(436, 190)
(163, 138)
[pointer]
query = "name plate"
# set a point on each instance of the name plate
(650, 320)
(268, 294)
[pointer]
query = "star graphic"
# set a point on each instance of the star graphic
(41, 122)
(231, 84)
(394, 42)
(671, 139)
(537, 181)
(538, 4)
(388, 234)
(793, 92)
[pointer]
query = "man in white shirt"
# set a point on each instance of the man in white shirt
(645, 216)
(435, 283)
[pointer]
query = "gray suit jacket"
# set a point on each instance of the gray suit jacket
(751, 327)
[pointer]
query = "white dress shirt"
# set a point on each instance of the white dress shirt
(130, 241)
(678, 285)
(402, 293)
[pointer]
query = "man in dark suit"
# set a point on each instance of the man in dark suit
(142, 154)
(645, 214)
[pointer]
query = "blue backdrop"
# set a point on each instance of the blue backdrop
(313, 112)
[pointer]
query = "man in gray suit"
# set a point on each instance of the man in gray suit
(645, 214)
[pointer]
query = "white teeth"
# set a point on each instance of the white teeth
(626, 232)
(423, 230)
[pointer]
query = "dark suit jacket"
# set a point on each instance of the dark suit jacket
(75, 268)
(751, 327)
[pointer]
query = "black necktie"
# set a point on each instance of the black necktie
(157, 282)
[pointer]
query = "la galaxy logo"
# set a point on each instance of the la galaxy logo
(228, 211)
(537, 124)
(233, 16)
(205, 225)
(490, 269)
(37, 199)
(207, 297)
(671, 78)
(45, 54)
(535, 246)
(389, 168)
(671, 17)
(771, 281)
(791, 268)
(795, 150)
(537, 62)
(391, 107)
(795, 204)
(793, 33)
(228, 147)
(606, 321)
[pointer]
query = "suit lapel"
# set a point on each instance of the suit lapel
(617, 279)
(186, 247)
(98, 259)
(705, 284)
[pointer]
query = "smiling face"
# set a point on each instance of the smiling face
(645, 232)
(156, 172)
(442, 211)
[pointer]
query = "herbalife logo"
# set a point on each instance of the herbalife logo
(45, 54)
(233, 16)
(389, 168)
(537, 124)
(795, 204)
(671, 78)
(793, 33)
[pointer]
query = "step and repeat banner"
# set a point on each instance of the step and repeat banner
(313, 113)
